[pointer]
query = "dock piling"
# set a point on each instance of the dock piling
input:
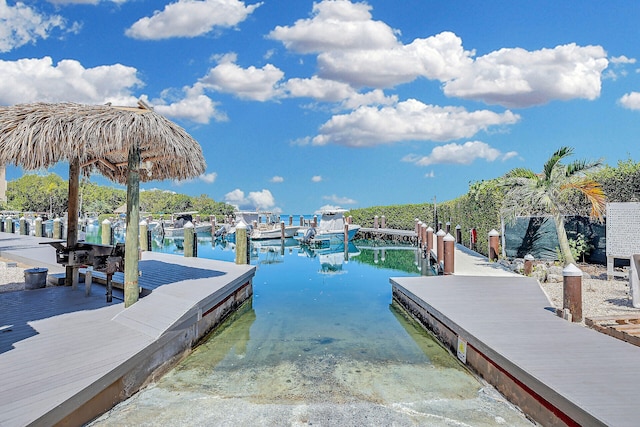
(440, 245)
(572, 292)
(449, 253)
(189, 237)
(494, 245)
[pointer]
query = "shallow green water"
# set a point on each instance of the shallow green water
(320, 343)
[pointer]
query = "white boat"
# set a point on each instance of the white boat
(177, 228)
(330, 230)
(270, 229)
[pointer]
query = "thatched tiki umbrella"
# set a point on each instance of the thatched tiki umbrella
(125, 144)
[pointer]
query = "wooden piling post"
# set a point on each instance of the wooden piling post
(346, 234)
(375, 221)
(572, 291)
(449, 253)
(494, 245)
(23, 226)
(290, 219)
(429, 232)
(57, 228)
(242, 248)
(38, 230)
(440, 245)
(423, 235)
(106, 231)
(189, 237)
(448, 227)
(383, 221)
(458, 234)
(144, 242)
(281, 230)
(528, 264)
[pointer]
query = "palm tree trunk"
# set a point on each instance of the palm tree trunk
(563, 240)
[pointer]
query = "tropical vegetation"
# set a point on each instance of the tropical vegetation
(49, 194)
(528, 193)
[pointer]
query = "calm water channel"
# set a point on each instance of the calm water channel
(320, 344)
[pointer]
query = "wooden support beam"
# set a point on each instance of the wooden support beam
(71, 278)
(132, 241)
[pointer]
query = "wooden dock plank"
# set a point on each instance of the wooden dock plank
(575, 368)
(59, 347)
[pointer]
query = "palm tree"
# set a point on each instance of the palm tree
(549, 192)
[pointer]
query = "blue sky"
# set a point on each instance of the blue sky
(300, 104)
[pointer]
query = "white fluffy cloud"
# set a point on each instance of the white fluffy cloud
(259, 200)
(406, 121)
(340, 200)
(208, 178)
(361, 52)
(190, 18)
(519, 78)
(258, 84)
(439, 57)
(84, 1)
(630, 100)
(336, 24)
(464, 154)
(316, 178)
(30, 80)
(277, 179)
(21, 24)
(194, 106)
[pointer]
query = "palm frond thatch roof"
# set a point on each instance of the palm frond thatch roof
(37, 136)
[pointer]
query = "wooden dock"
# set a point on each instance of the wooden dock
(389, 234)
(557, 372)
(66, 358)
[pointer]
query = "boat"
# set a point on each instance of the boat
(270, 229)
(177, 228)
(330, 230)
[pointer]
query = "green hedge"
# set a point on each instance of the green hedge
(480, 207)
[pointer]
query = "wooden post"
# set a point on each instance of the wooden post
(416, 225)
(572, 292)
(494, 245)
(440, 245)
(281, 230)
(375, 221)
(241, 243)
(449, 253)
(429, 232)
(346, 234)
(131, 244)
(383, 221)
(188, 239)
(423, 235)
(38, 230)
(144, 242)
(106, 232)
(57, 226)
(448, 225)
(71, 277)
(301, 221)
(458, 234)
(8, 224)
(528, 264)
(88, 278)
(23, 226)
(290, 219)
